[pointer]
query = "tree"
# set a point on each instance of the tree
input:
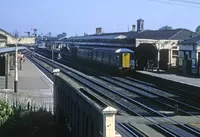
(165, 28)
(198, 29)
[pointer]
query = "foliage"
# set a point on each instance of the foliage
(165, 28)
(5, 110)
(198, 29)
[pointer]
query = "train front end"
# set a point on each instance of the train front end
(126, 60)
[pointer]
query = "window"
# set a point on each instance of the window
(174, 53)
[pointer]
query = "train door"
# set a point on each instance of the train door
(125, 60)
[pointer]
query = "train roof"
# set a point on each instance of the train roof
(92, 37)
(116, 50)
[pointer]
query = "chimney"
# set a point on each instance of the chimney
(133, 28)
(98, 31)
(140, 25)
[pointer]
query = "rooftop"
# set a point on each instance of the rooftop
(174, 34)
(1, 30)
(10, 49)
(193, 40)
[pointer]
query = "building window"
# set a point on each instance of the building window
(174, 53)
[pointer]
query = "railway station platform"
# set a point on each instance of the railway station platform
(192, 81)
(33, 87)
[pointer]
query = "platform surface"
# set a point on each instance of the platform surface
(174, 77)
(32, 85)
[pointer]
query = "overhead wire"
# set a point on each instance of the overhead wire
(178, 3)
(185, 1)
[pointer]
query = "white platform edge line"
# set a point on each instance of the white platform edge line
(40, 71)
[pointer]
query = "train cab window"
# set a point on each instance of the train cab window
(117, 57)
(105, 57)
(94, 55)
(132, 56)
(99, 56)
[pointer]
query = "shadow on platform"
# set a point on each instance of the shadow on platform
(31, 124)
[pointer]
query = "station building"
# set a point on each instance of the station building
(158, 46)
(7, 49)
(189, 56)
(8, 40)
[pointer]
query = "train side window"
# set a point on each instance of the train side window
(106, 57)
(94, 55)
(112, 58)
(98, 55)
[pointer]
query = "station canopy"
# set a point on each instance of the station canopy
(99, 37)
(11, 49)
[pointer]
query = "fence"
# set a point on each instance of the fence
(81, 115)
(32, 102)
(28, 100)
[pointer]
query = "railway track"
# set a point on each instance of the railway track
(125, 102)
(183, 91)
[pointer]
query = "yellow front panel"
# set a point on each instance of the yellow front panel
(126, 60)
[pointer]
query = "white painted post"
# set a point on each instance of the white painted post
(109, 122)
(6, 70)
(158, 63)
(55, 72)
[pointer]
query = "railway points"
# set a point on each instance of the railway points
(192, 81)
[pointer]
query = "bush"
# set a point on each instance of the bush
(5, 110)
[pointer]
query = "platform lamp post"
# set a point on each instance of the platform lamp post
(158, 61)
(55, 93)
(16, 66)
(52, 48)
(6, 69)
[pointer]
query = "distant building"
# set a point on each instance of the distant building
(140, 25)
(189, 56)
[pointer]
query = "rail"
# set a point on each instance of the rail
(81, 113)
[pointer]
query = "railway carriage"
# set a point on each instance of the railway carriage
(120, 59)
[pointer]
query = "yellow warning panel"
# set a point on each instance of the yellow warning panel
(126, 60)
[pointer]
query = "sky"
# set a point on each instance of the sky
(79, 16)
